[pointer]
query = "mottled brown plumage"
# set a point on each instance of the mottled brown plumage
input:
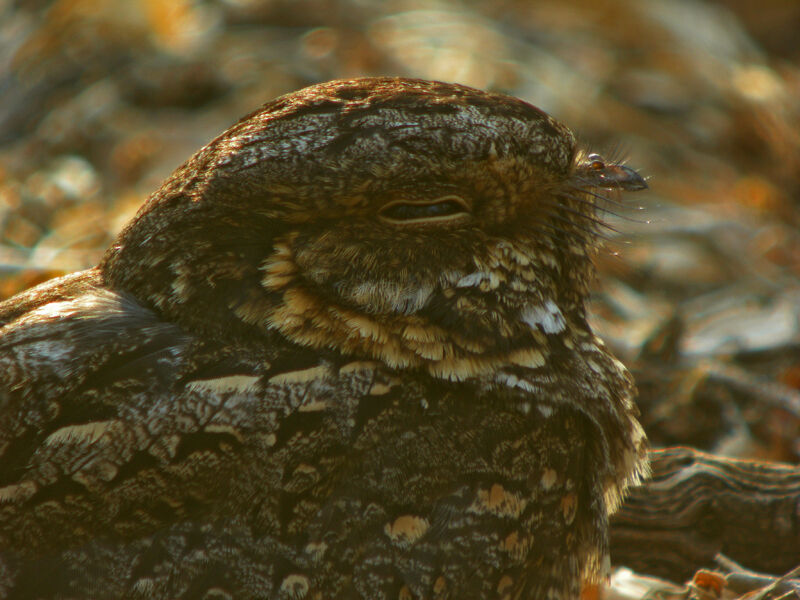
(341, 353)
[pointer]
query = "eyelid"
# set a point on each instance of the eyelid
(445, 208)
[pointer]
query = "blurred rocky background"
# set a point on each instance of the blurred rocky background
(699, 287)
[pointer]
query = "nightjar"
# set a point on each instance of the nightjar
(342, 352)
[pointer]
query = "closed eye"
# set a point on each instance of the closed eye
(448, 208)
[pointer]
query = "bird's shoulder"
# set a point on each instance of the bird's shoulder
(72, 351)
(106, 405)
(75, 335)
(56, 337)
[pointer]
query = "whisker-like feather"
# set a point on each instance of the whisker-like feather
(599, 222)
(604, 209)
(601, 197)
(592, 233)
(590, 204)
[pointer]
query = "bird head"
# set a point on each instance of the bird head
(419, 223)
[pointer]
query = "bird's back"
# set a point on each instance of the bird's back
(136, 457)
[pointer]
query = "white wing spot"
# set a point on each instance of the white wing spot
(87, 434)
(302, 376)
(18, 492)
(231, 383)
(512, 381)
(547, 317)
(296, 586)
(473, 279)
(51, 351)
(549, 478)
(316, 549)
